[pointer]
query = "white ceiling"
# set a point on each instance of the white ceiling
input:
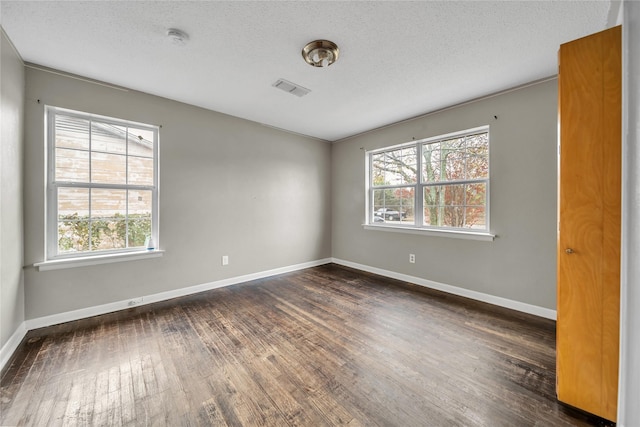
(397, 59)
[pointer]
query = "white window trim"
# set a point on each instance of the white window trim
(53, 260)
(426, 230)
(101, 258)
(453, 233)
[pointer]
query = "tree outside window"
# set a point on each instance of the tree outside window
(450, 174)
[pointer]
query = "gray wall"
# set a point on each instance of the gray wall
(520, 264)
(11, 156)
(227, 187)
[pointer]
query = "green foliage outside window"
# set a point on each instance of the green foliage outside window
(82, 234)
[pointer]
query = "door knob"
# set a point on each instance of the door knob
(569, 251)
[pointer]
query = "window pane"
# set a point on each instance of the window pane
(108, 168)
(108, 203)
(71, 132)
(108, 219)
(379, 197)
(477, 156)
(408, 163)
(476, 194)
(73, 220)
(406, 197)
(395, 204)
(377, 170)
(431, 170)
(476, 200)
(71, 149)
(453, 159)
(108, 138)
(456, 159)
(139, 230)
(140, 202)
(139, 224)
(455, 205)
(73, 201)
(141, 142)
(432, 205)
(476, 218)
(444, 205)
(108, 233)
(72, 165)
(73, 234)
(453, 212)
(453, 195)
(140, 171)
(395, 167)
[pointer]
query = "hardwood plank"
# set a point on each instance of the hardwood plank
(324, 346)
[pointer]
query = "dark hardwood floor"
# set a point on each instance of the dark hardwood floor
(324, 346)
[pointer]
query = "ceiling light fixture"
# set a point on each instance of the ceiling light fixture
(320, 53)
(176, 36)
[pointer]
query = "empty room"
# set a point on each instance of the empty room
(319, 213)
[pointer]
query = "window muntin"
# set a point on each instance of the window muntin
(453, 187)
(455, 174)
(102, 184)
(391, 171)
(394, 204)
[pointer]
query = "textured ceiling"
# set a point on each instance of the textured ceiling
(397, 59)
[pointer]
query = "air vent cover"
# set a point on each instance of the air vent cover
(292, 88)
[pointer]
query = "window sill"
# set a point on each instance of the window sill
(59, 264)
(454, 234)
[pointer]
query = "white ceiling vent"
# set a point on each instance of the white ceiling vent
(292, 88)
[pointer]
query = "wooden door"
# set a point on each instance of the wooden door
(590, 103)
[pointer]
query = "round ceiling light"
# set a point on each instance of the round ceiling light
(320, 53)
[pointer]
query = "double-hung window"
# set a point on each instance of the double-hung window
(102, 185)
(439, 183)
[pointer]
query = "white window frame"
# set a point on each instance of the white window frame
(418, 226)
(55, 260)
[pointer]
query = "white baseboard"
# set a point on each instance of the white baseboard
(12, 344)
(479, 296)
(83, 313)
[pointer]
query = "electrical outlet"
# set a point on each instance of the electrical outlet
(412, 258)
(225, 259)
(135, 301)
